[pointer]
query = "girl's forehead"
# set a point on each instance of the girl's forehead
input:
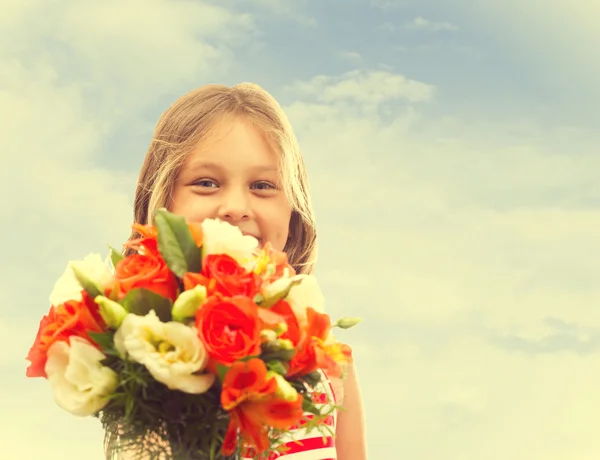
(237, 145)
(227, 132)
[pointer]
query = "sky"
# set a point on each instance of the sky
(453, 154)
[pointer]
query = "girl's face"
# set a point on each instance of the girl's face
(236, 180)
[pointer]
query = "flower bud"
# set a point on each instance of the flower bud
(273, 346)
(284, 389)
(280, 349)
(188, 302)
(279, 289)
(346, 323)
(285, 344)
(267, 335)
(112, 312)
(281, 329)
(278, 367)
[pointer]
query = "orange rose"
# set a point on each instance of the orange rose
(148, 271)
(229, 328)
(254, 407)
(230, 278)
(72, 318)
(146, 242)
(222, 274)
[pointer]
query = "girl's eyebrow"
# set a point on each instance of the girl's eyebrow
(211, 165)
(203, 164)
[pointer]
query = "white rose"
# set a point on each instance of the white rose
(220, 237)
(68, 288)
(79, 381)
(172, 352)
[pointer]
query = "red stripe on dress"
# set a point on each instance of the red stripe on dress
(331, 388)
(320, 398)
(305, 445)
(329, 420)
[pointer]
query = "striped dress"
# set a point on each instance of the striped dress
(318, 444)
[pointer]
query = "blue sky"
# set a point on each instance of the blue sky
(453, 152)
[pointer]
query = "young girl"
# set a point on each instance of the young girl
(230, 153)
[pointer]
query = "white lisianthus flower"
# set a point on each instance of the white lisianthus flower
(172, 352)
(220, 237)
(303, 295)
(306, 294)
(68, 288)
(79, 381)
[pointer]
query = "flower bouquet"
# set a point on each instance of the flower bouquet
(198, 345)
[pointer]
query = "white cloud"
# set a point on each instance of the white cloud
(57, 187)
(130, 54)
(294, 11)
(364, 88)
(480, 402)
(467, 250)
(32, 414)
(558, 40)
(351, 55)
(388, 4)
(72, 74)
(455, 201)
(388, 27)
(420, 23)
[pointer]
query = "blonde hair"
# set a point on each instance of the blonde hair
(196, 117)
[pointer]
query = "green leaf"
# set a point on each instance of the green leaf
(104, 339)
(87, 284)
(129, 406)
(176, 244)
(309, 406)
(245, 359)
(141, 301)
(115, 256)
(221, 371)
(312, 379)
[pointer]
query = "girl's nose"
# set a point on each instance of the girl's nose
(234, 207)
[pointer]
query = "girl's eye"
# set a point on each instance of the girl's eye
(263, 186)
(206, 183)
